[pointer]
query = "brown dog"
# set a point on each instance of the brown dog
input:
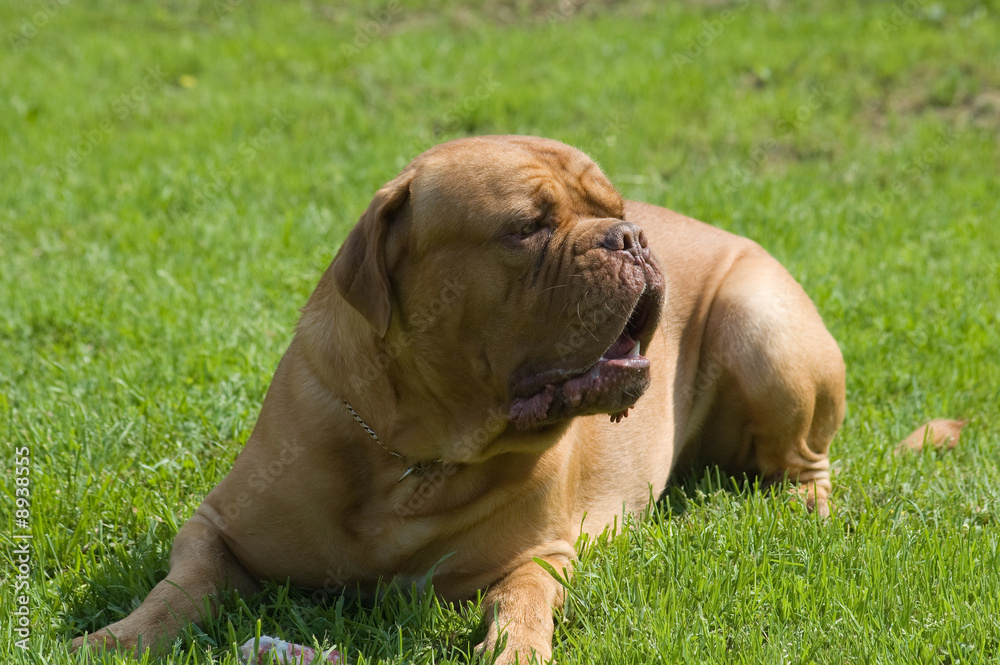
(439, 407)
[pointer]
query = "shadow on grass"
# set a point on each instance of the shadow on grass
(695, 488)
(111, 582)
(393, 622)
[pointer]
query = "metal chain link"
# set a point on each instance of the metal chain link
(371, 432)
(418, 469)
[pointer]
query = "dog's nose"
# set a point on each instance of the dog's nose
(625, 236)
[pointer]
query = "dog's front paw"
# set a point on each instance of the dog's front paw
(115, 637)
(506, 651)
(99, 641)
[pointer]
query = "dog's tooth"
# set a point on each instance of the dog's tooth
(635, 350)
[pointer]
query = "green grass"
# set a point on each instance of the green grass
(175, 179)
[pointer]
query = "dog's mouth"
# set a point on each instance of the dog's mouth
(611, 384)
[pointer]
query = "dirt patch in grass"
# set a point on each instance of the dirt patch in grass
(958, 95)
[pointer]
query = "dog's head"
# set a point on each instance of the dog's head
(502, 272)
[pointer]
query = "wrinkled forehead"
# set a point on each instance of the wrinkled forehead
(515, 177)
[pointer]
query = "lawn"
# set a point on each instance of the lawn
(174, 178)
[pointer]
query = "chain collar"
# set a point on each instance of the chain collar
(418, 469)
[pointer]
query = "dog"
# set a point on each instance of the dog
(505, 355)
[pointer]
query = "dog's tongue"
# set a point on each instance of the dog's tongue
(624, 347)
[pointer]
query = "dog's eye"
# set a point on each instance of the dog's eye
(529, 228)
(526, 233)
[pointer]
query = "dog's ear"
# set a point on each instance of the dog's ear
(359, 269)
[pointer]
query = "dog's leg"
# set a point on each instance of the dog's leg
(200, 565)
(778, 398)
(520, 605)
